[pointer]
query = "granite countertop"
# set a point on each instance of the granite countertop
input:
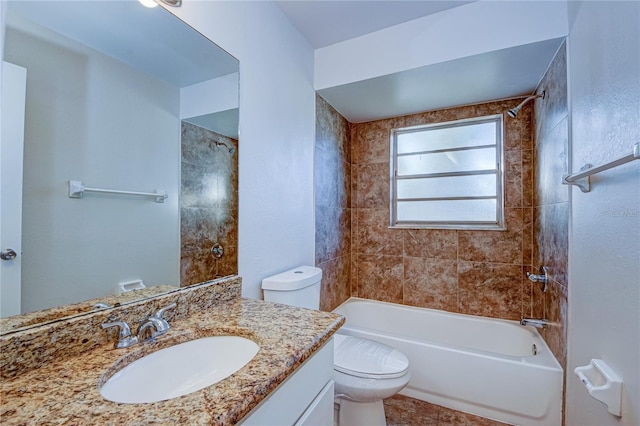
(34, 318)
(66, 391)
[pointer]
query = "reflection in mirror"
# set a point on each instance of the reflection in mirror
(119, 96)
(209, 201)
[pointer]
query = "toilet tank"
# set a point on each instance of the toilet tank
(297, 287)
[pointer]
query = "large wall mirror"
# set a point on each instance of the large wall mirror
(127, 98)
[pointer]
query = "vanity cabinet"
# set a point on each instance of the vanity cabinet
(304, 399)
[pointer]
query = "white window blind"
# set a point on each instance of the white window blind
(448, 175)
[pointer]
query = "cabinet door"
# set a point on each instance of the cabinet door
(290, 401)
(320, 412)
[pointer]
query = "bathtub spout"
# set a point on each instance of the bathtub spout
(537, 323)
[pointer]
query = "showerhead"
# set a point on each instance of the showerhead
(513, 112)
(232, 149)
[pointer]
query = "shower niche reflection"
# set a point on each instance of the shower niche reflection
(208, 203)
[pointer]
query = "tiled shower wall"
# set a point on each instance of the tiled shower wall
(551, 204)
(208, 205)
(333, 202)
(471, 272)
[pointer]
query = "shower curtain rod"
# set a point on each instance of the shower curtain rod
(581, 179)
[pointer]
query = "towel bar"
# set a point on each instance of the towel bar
(77, 190)
(581, 179)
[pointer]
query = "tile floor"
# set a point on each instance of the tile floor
(404, 411)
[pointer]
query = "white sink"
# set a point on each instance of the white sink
(179, 370)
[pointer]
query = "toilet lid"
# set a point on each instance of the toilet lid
(365, 358)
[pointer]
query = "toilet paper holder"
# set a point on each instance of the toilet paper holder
(602, 383)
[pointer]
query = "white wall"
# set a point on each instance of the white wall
(604, 255)
(471, 29)
(94, 119)
(277, 131)
(211, 96)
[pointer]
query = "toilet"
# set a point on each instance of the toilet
(365, 372)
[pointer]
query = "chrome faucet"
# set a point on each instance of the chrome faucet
(155, 321)
(537, 323)
(541, 278)
(147, 326)
(125, 339)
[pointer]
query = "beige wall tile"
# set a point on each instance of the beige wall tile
(372, 234)
(433, 243)
(380, 277)
(371, 142)
(333, 233)
(490, 289)
(372, 185)
(494, 246)
(527, 178)
(513, 192)
(431, 283)
(555, 310)
(333, 199)
(336, 285)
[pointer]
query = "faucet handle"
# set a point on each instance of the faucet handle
(125, 339)
(541, 278)
(158, 320)
(161, 311)
(124, 330)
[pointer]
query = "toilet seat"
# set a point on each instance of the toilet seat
(368, 359)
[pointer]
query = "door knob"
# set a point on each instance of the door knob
(8, 254)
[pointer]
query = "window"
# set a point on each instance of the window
(448, 175)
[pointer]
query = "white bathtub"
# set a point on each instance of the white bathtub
(478, 365)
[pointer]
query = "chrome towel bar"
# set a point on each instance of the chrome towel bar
(581, 179)
(77, 190)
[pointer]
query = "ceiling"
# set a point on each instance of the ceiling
(326, 22)
(494, 75)
(150, 40)
(500, 74)
(153, 41)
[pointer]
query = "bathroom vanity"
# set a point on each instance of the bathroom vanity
(53, 373)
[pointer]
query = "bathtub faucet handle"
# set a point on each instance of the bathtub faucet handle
(540, 278)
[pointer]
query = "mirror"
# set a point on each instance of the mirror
(126, 98)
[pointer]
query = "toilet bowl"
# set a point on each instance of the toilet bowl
(365, 371)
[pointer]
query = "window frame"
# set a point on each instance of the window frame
(498, 224)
